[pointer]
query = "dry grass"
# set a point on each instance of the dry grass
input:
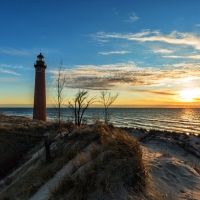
(13, 148)
(197, 169)
(111, 168)
(117, 161)
(20, 137)
(37, 176)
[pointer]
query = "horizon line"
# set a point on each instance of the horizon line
(114, 106)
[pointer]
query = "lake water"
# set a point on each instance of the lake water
(171, 119)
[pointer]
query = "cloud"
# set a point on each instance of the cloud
(196, 99)
(162, 92)
(26, 52)
(197, 24)
(165, 92)
(184, 65)
(132, 18)
(197, 57)
(163, 51)
(9, 80)
(114, 52)
(11, 66)
(174, 37)
(9, 72)
(101, 77)
(16, 52)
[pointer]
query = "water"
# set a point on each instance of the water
(170, 119)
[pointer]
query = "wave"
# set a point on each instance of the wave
(181, 120)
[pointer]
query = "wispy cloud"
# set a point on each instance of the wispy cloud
(114, 52)
(11, 66)
(163, 51)
(16, 52)
(126, 74)
(197, 57)
(183, 65)
(174, 37)
(9, 80)
(25, 52)
(197, 24)
(132, 18)
(9, 72)
(159, 92)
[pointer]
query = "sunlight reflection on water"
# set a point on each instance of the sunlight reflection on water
(188, 114)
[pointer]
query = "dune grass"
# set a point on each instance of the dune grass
(116, 161)
(15, 142)
(62, 152)
(110, 162)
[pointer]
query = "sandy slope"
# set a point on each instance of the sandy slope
(174, 169)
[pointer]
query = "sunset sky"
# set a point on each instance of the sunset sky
(148, 50)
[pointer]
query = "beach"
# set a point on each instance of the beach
(172, 162)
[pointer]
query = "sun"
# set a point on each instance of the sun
(189, 95)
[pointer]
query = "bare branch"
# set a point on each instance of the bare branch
(80, 104)
(106, 99)
(60, 81)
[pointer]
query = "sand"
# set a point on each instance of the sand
(173, 167)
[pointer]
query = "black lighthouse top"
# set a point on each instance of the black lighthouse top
(40, 57)
(40, 62)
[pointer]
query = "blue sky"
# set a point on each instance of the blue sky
(148, 51)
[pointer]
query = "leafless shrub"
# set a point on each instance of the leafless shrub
(106, 99)
(60, 81)
(80, 104)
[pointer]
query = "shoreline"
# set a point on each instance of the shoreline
(118, 126)
(177, 120)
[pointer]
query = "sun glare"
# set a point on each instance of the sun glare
(189, 95)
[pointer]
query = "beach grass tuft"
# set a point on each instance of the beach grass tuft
(116, 161)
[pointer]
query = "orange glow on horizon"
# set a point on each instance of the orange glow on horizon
(180, 99)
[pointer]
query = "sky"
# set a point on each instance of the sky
(147, 51)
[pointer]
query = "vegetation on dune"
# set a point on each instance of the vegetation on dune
(115, 161)
(18, 136)
(107, 99)
(60, 80)
(108, 158)
(79, 105)
(103, 162)
(31, 177)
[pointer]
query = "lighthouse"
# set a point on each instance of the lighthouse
(39, 110)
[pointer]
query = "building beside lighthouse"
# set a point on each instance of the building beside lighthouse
(39, 110)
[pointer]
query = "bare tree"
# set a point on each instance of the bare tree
(107, 99)
(79, 105)
(60, 81)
